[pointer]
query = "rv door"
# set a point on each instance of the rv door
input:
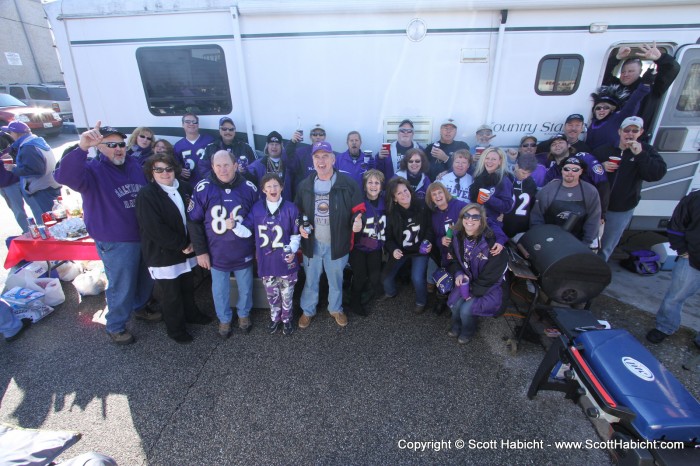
(677, 138)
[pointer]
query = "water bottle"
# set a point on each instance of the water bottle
(307, 225)
(58, 210)
(287, 251)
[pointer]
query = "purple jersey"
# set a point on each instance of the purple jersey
(272, 234)
(211, 205)
(373, 234)
(190, 154)
(444, 219)
(352, 167)
(594, 173)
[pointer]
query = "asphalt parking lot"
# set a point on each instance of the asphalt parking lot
(365, 394)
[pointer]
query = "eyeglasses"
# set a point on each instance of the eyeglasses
(414, 161)
(318, 134)
(529, 144)
(571, 169)
(472, 217)
(112, 145)
(146, 137)
(163, 169)
(227, 129)
(601, 107)
(405, 130)
(191, 122)
(630, 130)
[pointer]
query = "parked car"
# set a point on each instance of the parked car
(42, 121)
(53, 96)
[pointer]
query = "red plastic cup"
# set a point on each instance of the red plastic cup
(615, 160)
(46, 217)
(484, 195)
(386, 146)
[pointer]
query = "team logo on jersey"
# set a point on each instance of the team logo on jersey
(598, 169)
(228, 191)
(190, 206)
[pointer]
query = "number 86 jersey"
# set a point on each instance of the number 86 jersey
(211, 204)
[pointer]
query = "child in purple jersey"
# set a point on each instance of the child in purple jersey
(277, 239)
(366, 255)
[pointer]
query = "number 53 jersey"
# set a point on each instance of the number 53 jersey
(211, 205)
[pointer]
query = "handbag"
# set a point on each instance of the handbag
(643, 262)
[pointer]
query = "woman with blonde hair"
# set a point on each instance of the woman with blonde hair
(492, 186)
(140, 144)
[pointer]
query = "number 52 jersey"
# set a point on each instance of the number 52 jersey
(212, 203)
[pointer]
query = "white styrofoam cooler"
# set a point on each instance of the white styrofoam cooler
(666, 255)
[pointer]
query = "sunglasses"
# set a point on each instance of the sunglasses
(227, 129)
(318, 134)
(161, 169)
(570, 169)
(146, 137)
(405, 130)
(414, 161)
(472, 217)
(601, 107)
(629, 130)
(191, 122)
(112, 145)
(529, 144)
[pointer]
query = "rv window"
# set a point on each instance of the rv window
(559, 74)
(614, 66)
(183, 79)
(689, 100)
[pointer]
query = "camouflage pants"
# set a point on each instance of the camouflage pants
(280, 291)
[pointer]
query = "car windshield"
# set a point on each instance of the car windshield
(6, 100)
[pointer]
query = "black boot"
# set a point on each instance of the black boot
(440, 305)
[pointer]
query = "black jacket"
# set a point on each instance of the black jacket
(346, 202)
(626, 181)
(163, 234)
(684, 228)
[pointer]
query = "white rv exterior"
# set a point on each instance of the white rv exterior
(365, 65)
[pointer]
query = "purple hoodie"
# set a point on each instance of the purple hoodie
(109, 193)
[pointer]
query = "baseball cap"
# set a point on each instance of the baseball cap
(575, 116)
(223, 120)
(632, 121)
(526, 137)
(406, 122)
(323, 145)
(572, 161)
(557, 136)
(109, 130)
(484, 128)
(448, 121)
(16, 127)
(274, 137)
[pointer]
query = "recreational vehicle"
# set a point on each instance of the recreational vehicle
(520, 66)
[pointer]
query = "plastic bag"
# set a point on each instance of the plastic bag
(68, 270)
(91, 282)
(51, 287)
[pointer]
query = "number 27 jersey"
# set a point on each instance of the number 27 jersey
(211, 205)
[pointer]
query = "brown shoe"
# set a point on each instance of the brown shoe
(304, 321)
(148, 316)
(340, 318)
(224, 330)
(122, 338)
(244, 324)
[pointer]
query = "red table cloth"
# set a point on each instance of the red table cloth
(29, 249)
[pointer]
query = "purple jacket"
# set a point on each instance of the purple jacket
(485, 273)
(501, 200)
(109, 193)
(601, 132)
(441, 221)
(354, 168)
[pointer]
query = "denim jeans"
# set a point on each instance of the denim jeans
(615, 224)
(129, 285)
(41, 201)
(15, 201)
(463, 321)
(221, 291)
(334, 272)
(685, 282)
(419, 265)
(10, 325)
